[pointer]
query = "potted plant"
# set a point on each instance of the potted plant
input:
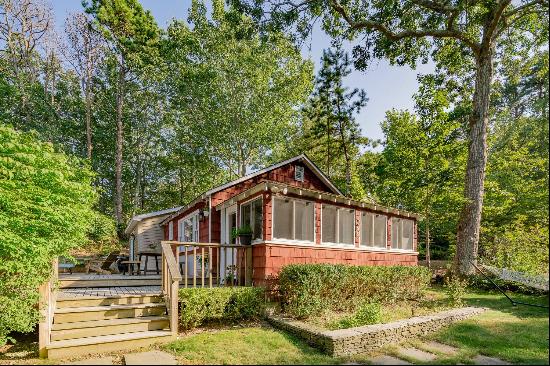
(244, 233)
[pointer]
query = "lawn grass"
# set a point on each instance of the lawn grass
(249, 346)
(518, 334)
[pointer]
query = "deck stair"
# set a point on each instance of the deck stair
(86, 324)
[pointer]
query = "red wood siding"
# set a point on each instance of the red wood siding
(268, 259)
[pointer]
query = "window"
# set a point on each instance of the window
(188, 229)
(171, 230)
(293, 219)
(338, 225)
(380, 231)
(252, 215)
(402, 234)
(299, 173)
(329, 224)
(303, 220)
(346, 228)
(373, 230)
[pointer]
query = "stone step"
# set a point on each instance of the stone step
(105, 327)
(89, 313)
(106, 343)
(86, 301)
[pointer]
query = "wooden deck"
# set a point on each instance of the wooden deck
(68, 293)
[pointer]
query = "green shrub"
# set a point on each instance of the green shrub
(307, 289)
(368, 313)
(200, 306)
(455, 287)
(46, 201)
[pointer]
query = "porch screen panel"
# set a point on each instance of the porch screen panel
(380, 231)
(246, 215)
(257, 212)
(251, 215)
(395, 233)
(282, 220)
(303, 221)
(329, 224)
(407, 234)
(367, 229)
(346, 226)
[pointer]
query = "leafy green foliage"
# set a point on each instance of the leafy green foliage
(368, 313)
(200, 306)
(46, 201)
(102, 236)
(455, 288)
(309, 289)
(246, 87)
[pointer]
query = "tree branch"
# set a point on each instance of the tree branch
(407, 33)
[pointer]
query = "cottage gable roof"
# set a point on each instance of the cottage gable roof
(134, 220)
(300, 158)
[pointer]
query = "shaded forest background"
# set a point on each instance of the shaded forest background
(161, 115)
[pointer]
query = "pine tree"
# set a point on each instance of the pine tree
(330, 123)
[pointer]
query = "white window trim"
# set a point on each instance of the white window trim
(337, 245)
(185, 218)
(171, 230)
(400, 235)
(291, 241)
(240, 221)
(372, 234)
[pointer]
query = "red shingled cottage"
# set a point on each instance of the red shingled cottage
(297, 216)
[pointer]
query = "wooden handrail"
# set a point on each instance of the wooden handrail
(209, 274)
(193, 244)
(171, 261)
(47, 300)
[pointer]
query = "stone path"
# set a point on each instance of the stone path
(441, 348)
(430, 351)
(150, 358)
(417, 354)
(387, 360)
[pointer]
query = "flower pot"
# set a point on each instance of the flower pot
(245, 239)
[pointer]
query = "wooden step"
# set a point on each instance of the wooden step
(76, 281)
(107, 326)
(106, 343)
(88, 313)
(85, 301)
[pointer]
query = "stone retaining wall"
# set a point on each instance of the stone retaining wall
(370, 337)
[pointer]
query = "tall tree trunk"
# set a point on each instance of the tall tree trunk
(88, 91)
(119, 143)
(428, 254)
(346, 156)
(470, 216)
(88, 121)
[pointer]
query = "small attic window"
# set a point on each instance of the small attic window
(299, 173)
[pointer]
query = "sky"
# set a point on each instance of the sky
(386, 86)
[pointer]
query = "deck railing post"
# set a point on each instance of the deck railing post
(249, 268)
(186, 266)
(210, 259)
(202, 267)
(47, 299)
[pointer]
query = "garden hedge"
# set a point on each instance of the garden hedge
(199, 306)
(308, 289)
